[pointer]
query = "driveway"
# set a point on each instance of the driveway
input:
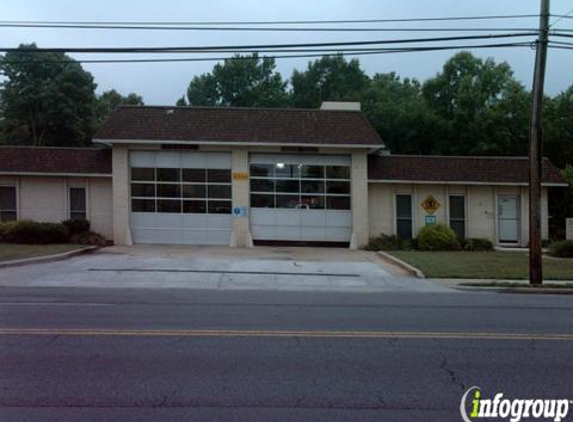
(210, 267)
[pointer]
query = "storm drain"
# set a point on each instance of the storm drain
(181, 270)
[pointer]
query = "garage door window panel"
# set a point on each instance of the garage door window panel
(143, 205)
(312, 172)
(262, 185)
(262, 170)
(338, 172)
(219, 191)
(168, 206)
(287, 170)
(168, 190)
(219, 207)
(338, 203)
(312, 202)
(194, 175)
(288, 201)
(143, 189)
(262, 201)
(194, 191)
(218, 176)
(338, 188)
(195, 207)
(288, 186)
(312, 186)
(168, 175)
(143, 174)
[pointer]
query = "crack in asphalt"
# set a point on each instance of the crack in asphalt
(451, 373)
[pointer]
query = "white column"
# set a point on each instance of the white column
(241, 235)
(359, 202)
(120, 182)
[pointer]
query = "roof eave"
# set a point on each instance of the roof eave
(111, 142)
(462, 182)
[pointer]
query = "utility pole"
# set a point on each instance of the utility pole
(536, 150)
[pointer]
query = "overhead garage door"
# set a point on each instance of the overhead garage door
(180, 197)
(300, 198)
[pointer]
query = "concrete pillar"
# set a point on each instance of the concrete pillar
(241, 235)
(120, 177)
(359, 192)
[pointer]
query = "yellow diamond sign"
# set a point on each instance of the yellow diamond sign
(430, 204)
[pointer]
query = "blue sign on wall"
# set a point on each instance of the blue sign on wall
(430, 220)
(240, 211)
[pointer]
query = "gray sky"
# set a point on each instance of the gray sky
(163, 83)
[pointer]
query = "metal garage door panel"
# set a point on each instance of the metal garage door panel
(287, 217)
(313, 218)
(180, 228)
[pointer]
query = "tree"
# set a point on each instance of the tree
(558, 128)
(330, 78)
(109, 100)
(482, 106)
(398, 111)
(243, 81)
(46, 99)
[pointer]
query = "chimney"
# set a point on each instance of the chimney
(340, 105)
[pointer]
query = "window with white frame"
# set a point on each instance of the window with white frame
(404, 216)
(77, 203)
(302, 186)
(181, 190)
(457, 214)
(8, 205)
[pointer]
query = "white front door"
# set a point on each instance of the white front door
(508, 217)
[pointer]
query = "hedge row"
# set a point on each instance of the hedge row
(32, 232)
(438, 237)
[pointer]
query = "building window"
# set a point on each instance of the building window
(458, 215)
(300, 186)
(8, 208)
(77, 201)
(185, 190)
(404, 216)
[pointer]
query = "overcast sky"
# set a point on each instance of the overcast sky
(163, 83)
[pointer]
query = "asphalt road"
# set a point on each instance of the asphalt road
(187, 355)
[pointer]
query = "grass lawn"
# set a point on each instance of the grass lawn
(495, 265)
(9, 251)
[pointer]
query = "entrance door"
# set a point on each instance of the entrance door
(508, 213)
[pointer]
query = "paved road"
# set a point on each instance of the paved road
(185, 355)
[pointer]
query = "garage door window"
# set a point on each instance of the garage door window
(292, 186)
(404, 216)
(8, 210)
(173, 190)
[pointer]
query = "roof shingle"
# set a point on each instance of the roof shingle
(22, 159)
(239, 125)
(440, 169)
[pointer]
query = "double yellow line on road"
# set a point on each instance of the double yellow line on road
(92, 332)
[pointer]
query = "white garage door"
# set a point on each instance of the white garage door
(180, 197)
(300, 198)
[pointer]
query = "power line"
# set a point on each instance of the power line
(561, 17)
(312, 53)
(293, 22)
(240, 48)
(250, 29)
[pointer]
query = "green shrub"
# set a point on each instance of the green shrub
(88, 238)
(478, 245)
(77, 225)
(31, 232)
(386, 243)
(438, 237)
(6, 231)
(562, 249)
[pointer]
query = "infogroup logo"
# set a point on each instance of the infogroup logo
(513, 410)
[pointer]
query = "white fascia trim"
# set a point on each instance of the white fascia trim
(430, 182)
(31, 173)
(110, 142)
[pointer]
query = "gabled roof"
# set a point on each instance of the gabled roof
(227, 125)
(466, 170)
(55, 161)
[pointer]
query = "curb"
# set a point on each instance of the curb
(404, 265)
(47, 258)
(522, 290)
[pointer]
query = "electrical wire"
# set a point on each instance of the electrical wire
(309, 55)
(239, 48)
(293, 22)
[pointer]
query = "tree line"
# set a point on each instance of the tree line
(471, 107)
